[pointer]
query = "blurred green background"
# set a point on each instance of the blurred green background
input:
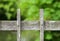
(8, 9)
(29, 35)
(8, 36)
(30, 9)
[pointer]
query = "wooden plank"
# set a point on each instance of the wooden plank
(52, 25)
(35, 25)
(41, 25)
(29, 25)
(18, 24)
(8, 25)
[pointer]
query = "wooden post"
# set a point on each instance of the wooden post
(41, 25)
(18, 24)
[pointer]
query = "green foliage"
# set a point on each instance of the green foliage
(8, 9)
(30, 35)
(8, 36)
(52, 36)
(34, 35)
(48, 35)
(30, 9)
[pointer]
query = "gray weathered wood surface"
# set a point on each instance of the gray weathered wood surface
(30, 25)
(18, 24)
(8, 25)
(41, 25)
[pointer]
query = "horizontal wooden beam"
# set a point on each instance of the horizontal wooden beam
(52, 25)
(34, 25)
(8, 25)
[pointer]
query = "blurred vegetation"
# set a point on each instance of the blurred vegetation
(34, 35)
(8, 36)
(52, 36)
(29, 35)
(30, 9)
(8, 9)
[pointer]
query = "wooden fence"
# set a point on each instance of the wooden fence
(30, 25)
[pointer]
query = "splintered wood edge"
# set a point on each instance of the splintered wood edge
(25, 25)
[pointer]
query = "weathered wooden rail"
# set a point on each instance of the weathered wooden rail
(12, 25)
(29, 25)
